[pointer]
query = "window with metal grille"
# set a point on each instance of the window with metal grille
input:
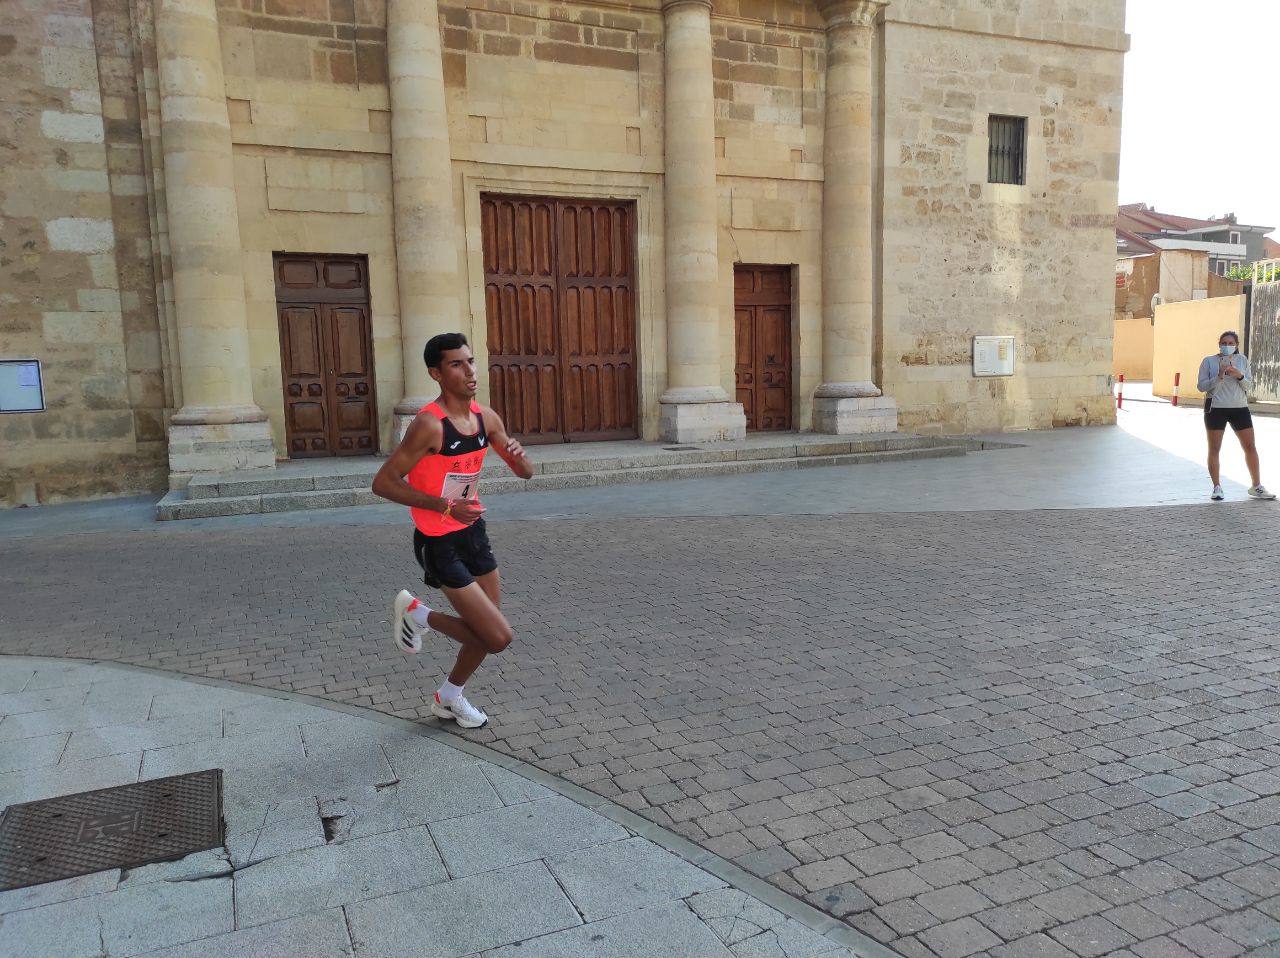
(1007, 153)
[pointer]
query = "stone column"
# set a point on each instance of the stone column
(219, 427)
(694, 408)
(848, 401)
(422, 194)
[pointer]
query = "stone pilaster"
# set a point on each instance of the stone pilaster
(848, 400)
(219, 427)
(694, 408)
(422, 194)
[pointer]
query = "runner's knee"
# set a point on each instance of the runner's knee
(498, 638)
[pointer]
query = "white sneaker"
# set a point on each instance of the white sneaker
(460, 710)
(405, 633)
(1260, 492)
(1217, 495)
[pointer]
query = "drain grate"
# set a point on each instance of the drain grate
(682, 448)
(121, 827)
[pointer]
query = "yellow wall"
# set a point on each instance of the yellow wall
(1187, 332)
(1134, 345)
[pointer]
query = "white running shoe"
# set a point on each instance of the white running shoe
(405, 633)
(1260, 492)
(460, 710)
(1217, 495)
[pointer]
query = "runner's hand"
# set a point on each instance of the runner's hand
(466, 511)
(515, 449)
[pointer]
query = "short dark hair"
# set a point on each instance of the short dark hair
(1233, 334)
(437, 346)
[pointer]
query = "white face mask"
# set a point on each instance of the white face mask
(1226, 350)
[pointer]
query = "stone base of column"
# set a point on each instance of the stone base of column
(406, 410)
(218, 439)
(856, 414)
(702, 421)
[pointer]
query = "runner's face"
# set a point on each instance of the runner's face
(457, 373)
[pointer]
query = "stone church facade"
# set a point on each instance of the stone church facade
(227, 227)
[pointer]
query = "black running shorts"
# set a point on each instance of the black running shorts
(1238, 418)
(454, 561)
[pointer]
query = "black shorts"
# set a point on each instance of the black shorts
(453, 561)
(1217, 419)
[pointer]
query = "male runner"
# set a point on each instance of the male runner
(435, 471)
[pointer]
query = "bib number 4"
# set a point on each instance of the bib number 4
(461, 485)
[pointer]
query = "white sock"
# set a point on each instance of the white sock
(419, 612)
(450, 692)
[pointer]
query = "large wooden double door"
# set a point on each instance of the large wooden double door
(559, 297)
(762, 339)
(326, 351)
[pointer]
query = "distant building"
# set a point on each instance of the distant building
(1141, 230)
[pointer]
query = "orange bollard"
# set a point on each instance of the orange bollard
(1120, 393)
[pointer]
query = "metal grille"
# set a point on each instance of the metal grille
(1007, 153)
(121, 827)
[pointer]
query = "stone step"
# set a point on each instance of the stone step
(177, 505)
(350, 474)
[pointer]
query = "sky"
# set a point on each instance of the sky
(1197, 140)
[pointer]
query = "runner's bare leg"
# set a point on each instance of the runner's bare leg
(479, 626)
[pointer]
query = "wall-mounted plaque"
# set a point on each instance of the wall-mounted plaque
(993, 355)
(21, 387)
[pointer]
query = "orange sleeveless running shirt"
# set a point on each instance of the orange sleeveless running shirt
(451, 473)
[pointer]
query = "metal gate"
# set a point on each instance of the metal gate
(1263, 345)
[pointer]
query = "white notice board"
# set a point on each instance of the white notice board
(993, 355)
(21, 386)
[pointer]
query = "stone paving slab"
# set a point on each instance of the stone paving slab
(361, 839)
(657, 932)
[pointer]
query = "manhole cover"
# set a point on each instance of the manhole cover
(682, 448)
(120, 827)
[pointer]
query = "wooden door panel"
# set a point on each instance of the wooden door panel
(774, 323)
(326, 345)
(306, 353)
(598, 352)
(306, 401)
(344, 274)
(354, 404)
(762, 337)
(350, 325)
(520, 297)
(558, 294)
(294, 272)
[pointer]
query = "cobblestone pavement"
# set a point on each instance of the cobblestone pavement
(1019, 733)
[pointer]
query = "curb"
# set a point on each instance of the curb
(812, 918)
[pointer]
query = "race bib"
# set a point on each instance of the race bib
(461, 485)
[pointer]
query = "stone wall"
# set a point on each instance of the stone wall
(76, 279)
(963, 257)
(768, 99)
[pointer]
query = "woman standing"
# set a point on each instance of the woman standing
(1225, 381)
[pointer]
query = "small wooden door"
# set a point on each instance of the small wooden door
(559, 298)
(762, 335)
(326, 352)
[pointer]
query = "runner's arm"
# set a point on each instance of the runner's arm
(422, 438)
(512, 452)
